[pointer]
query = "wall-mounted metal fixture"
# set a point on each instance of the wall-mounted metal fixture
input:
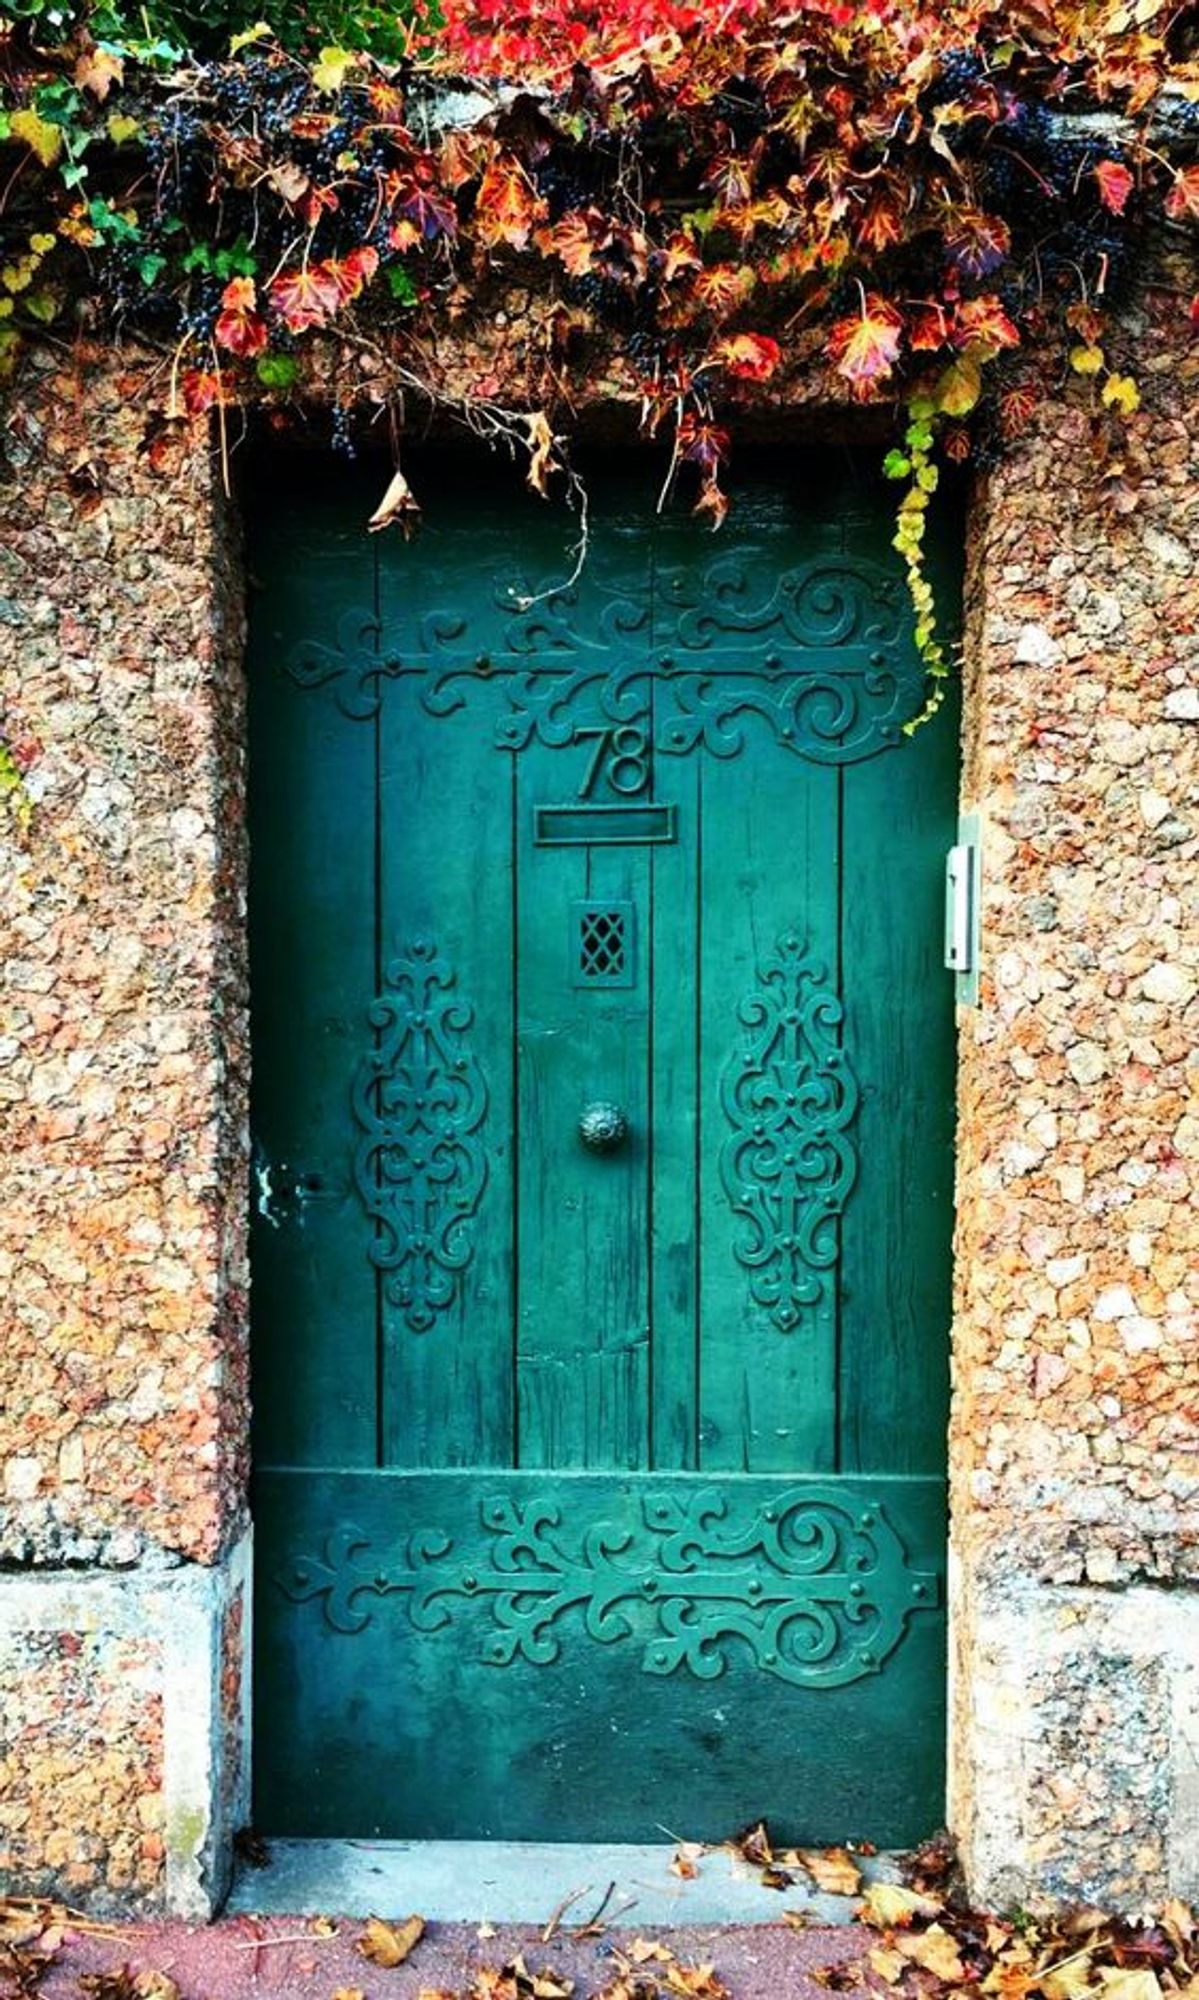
(963, 884)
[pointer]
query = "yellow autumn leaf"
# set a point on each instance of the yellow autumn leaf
(41, 245)
(935, 1950)
(1120, 392)
(1086, 359)
(332, 69)
(1129, 1983)
(43, 139)
(889, 1965)
(959, 387)
(1068, 1980)
(832, 1869)
(247, 35)
(886, 1905)
(6, 308)
(120, 127)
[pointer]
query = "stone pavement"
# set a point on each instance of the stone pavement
(249, 1958)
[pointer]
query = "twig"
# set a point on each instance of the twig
(561, 1910)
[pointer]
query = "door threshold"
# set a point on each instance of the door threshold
(525, 1882)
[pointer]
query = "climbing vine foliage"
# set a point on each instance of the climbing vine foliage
(933, 204)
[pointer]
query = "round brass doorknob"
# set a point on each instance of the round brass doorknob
(603, 1127)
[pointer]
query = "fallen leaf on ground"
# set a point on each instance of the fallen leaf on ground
(935, 1950)
(1127, 1983)
(686, 1860)
(753, 1845)
(886, 1905)
(643, 1949)
(349, 1993)
(389, 1944)
(699, 1982)
(155, 1986)
(485, 1931)
(832, 1869)
(889, 1965)
(323, 1927)
(115, 1984)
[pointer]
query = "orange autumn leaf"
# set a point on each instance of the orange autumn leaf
(983, 322)
(864, 346)
(1115, 185)
(240, 327)
(752, 357)
(508, 205)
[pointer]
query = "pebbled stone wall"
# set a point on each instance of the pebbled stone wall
(1075, 1442)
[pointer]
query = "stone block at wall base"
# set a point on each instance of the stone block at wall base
(1077, 1712)
(124, 1733)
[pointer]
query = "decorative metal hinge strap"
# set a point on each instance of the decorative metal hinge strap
(817, 1588)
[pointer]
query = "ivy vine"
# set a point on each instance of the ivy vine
(937, 207)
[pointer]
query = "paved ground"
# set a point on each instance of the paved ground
(246, 1958)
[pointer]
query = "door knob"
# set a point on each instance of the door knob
(603, 1127)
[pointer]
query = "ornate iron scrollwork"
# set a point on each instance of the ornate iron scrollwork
(788, 1168)
(815, 1585)
(419, 1165)
(818, 657)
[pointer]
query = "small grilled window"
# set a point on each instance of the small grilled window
(602, 944)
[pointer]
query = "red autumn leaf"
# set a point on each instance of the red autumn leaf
(1195, 310)
(977, 243)
(351, 273)
(575, 239)
(701, 443)
(1183, 198)
(749, 356)
(307, 296)
(864, 347)
(201, 390)
(982, 322)
(928, 326)
(424, 204)
(240, 327)
(1115, 184)
(508, 205)
(879, 226)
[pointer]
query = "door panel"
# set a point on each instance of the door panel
(603, 1119)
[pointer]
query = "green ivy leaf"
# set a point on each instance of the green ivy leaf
(401, 286)
(896, 466)
(277, 371)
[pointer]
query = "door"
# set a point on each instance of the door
(602, 1120)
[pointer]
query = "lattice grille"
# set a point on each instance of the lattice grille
(602, 944)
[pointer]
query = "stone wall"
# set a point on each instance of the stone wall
(122, 1074)
(124, 1605)
(1075, 1444)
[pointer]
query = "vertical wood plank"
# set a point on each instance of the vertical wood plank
(445, 859)
(583, 1332)
(770, 861)
(900, 815)
(312, 948)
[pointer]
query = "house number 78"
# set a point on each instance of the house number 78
(623, 750)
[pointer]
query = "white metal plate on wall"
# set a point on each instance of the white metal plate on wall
(963, 885)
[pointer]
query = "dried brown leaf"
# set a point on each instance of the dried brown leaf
(398, 504)
(832, 1869)
(155, 1985)
(389, 1944)
(686, 1860)
(935, 1949)
(753, 1844)
(699, 1982)
(643, 1949)
(1130, 1983)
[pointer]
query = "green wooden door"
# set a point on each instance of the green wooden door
(603, 1140)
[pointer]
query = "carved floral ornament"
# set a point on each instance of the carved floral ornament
(814, 1586)
(819, 661)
